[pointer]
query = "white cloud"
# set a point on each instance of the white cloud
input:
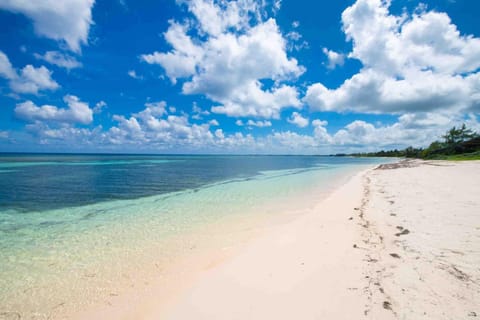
(66, 135)
(412, 129)
(133, 74)
(182, 61)
(156, 108)
(4, 134)
(198, 113)
(291, 142)
(412, 63)
(235, 142)
(29, 80)
(77, 112)
(259, 123)
(251, 100)
(32, 80)
(416, 130)
(334, 58)
(320, 132)
(296, 43)
(68, 21)
(214, 123)
(294, 35)
(99, 106)
(152, 130)
(253, 123)
(128, 129)
(228, 62)
(6, 69)
(297, 119)
(216, 17)
(219, 134)
(59, 59)
(277, 5)
(155, 129)
(150, 114)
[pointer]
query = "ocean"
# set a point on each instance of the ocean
(77, 229)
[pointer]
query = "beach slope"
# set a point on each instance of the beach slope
(398, 242)
(423, 234)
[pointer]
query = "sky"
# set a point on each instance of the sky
(236, 77)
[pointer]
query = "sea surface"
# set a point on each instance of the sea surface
(75, 229)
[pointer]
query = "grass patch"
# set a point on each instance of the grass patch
(459, 157)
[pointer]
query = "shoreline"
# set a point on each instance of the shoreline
(284, 273)
(224, 239)
(380, 246)
(393, 241)
(162, 298)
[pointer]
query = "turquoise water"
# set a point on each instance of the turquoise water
(54, 250)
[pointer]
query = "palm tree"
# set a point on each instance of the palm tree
(455, 136)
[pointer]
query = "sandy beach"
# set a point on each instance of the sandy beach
(398, 242)
(401, 241)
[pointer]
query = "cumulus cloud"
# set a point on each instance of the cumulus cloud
(157, 128)
(259, 123)
(198, 113)
(253, 123)
(412, 63)
(59, 59)
(412, 129)
(334, 58)
(29, 79)
(320, 132)
(297, 119)
(233, 51)
(68, 21)
(77, 112)
(292, 141)
(416, 130)
(6, 69)
(154, 129)
(214, 123)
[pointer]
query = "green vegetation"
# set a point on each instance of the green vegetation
(460, 157)
(458, 144)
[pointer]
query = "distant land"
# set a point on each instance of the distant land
(458, 144)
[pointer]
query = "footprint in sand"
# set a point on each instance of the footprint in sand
(403, 232)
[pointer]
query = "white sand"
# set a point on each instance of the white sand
(335, 262)
(437, 274)
(304, 269)
(309, 268)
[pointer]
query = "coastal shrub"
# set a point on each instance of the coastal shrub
(456, 142)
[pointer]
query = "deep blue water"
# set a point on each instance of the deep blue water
(37, 182)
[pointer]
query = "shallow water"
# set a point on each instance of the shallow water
(73, 229)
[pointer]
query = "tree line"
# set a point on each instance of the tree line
(458, 143)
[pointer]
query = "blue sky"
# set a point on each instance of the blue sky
(204, 76)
